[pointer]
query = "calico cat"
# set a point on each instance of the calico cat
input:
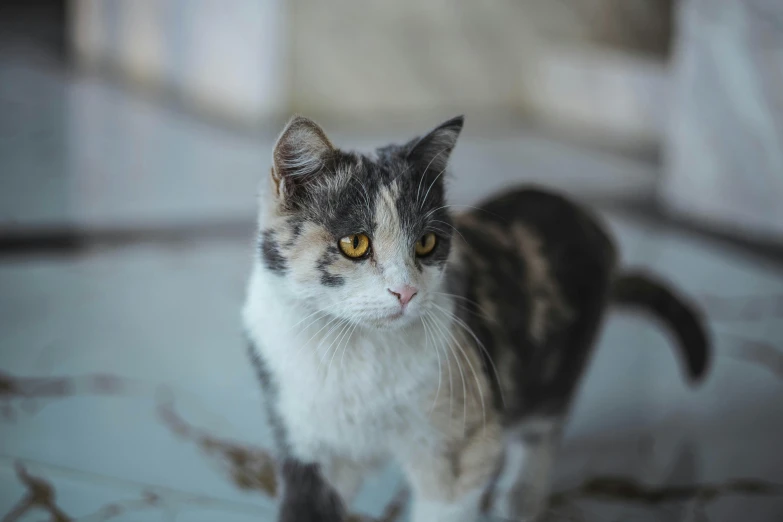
(383, 325)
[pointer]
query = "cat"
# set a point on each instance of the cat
(384, 325)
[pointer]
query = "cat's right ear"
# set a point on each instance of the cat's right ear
(300, 153)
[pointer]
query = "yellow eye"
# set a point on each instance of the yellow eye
(355, 245)
(426, 244)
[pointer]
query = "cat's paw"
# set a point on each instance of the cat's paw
(304, 511)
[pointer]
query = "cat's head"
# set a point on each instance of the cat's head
(363, 238)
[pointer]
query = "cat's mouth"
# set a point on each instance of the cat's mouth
(388, 318)
(395, 318)
(391, 317)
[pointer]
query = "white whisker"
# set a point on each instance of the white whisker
(470, 331)
(344, 324)
(342, 356)
(431, 321)
(366, 196)
(444, 330)
(424, 174)
(330, 321)
(421, 204)
(453, 228)
(406, 169)
(337, 321)
(343, 339)
(306, 343)
(483, 313)
(470, 365)
(437, 353)
(321, 314)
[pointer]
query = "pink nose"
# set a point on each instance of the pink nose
(404, 293)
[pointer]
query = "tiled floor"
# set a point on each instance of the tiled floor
(126, 394)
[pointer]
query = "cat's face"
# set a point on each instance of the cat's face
(361, 238)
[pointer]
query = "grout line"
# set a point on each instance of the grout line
(179, 495)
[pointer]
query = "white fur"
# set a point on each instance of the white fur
(356, 395)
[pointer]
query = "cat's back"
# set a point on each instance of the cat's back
(533, 269)
(559, 223)
(534, 226)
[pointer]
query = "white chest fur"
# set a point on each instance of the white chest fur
(341, 390)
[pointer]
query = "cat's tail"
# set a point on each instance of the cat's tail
(643, 291)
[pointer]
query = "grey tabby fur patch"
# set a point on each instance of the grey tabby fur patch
(271, 253)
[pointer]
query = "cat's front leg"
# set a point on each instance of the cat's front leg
(449, 484)
(307, 496)
(465, 508)
(345, 476)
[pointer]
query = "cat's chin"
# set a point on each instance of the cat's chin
(392, 321)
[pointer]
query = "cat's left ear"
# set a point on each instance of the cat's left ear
(432, 151)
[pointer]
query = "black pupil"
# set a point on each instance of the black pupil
(423, 240)
(355, 241)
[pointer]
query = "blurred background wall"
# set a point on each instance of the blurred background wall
(592, 63)
(698, 81)
(225, 58)
(724, 139)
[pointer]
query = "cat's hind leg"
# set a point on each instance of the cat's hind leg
(522, 488)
